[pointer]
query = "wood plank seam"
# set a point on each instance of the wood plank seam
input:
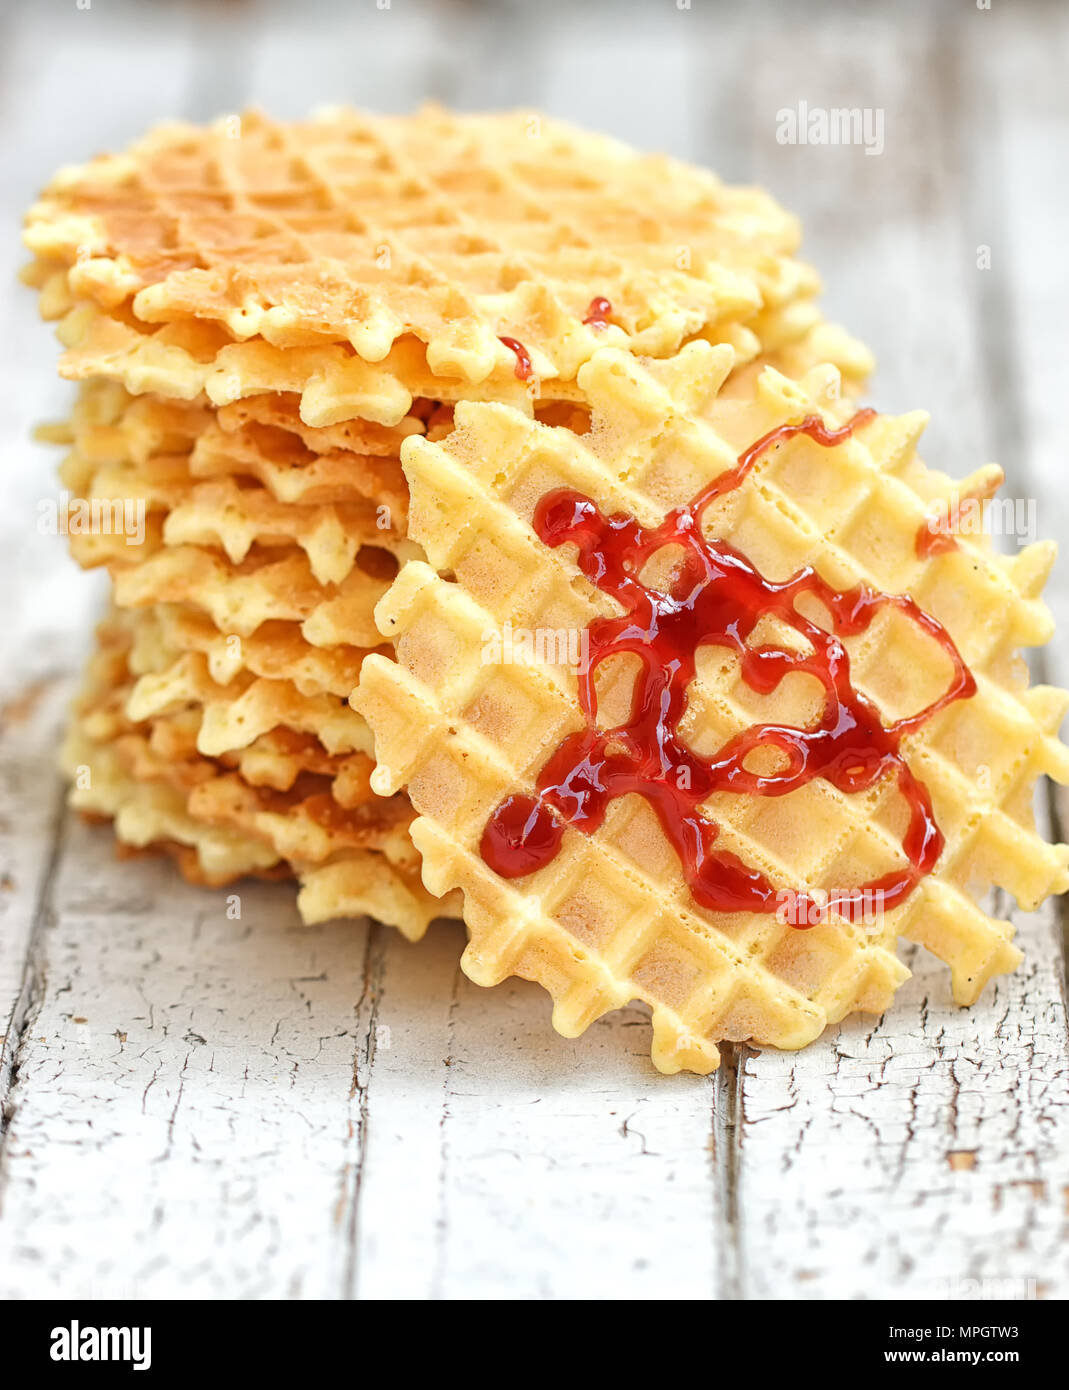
(374, 974)
(726, 1140)
(441, 1234)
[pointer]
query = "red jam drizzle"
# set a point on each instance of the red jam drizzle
(934, 539)
(717, 597)
(523, 357)
(935, 535)
(599, 312)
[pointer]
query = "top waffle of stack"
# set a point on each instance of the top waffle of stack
(452, 232)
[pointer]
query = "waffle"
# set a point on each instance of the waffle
(267, 319)
(453, 235)
(263, 437)
(237, 750)
(610, 918)
(147, 814)
(272, 581)
(190, 361)
(335, 537)
(151, 817)
(154, 817)
(281, 806)
(274, 652)
(206, 483)
(287, 763)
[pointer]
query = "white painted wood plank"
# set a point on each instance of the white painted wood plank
(55, 58)
(608, 1188)
(540, 1182)
(887, 1160)
(558, 1168)
(154, 1164)
(204, 1117)
(919, 1157)
(1023, 213)
(30, 821)
(80, 81)
(60, 61)
(396, 1225)
(103, 1182)
(883, 230)
(632, 73)
(185, 1123)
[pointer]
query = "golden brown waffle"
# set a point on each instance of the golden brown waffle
(263, 588)
(238, 741)
(154, 816)
(610, 919)
(263, 437)
(251, 554)
(455, 230)
(146, 814)
(275, 759)
(276, 651)
(335, 537)
(197, 482)
(233, 716)
(281, 805)
(194, 360)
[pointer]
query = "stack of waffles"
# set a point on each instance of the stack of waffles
(335, 367)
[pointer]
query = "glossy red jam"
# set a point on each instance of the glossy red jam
(598, 312)
(717, 597)
(523, 366)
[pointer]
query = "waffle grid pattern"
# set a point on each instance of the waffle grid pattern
(459, 229)
(610, 920)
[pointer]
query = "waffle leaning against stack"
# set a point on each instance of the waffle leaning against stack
(799, 730)
(260, 315)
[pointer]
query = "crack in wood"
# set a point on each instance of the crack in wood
(374, 978)
(727, 1120)
(34, 981)
(437, 1288)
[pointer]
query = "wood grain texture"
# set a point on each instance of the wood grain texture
(918, 1158)
(202, 1106)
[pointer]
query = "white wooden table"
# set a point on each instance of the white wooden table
(196, 1107)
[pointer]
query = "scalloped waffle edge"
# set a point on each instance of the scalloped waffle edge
(457, 231)
(609, 920)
